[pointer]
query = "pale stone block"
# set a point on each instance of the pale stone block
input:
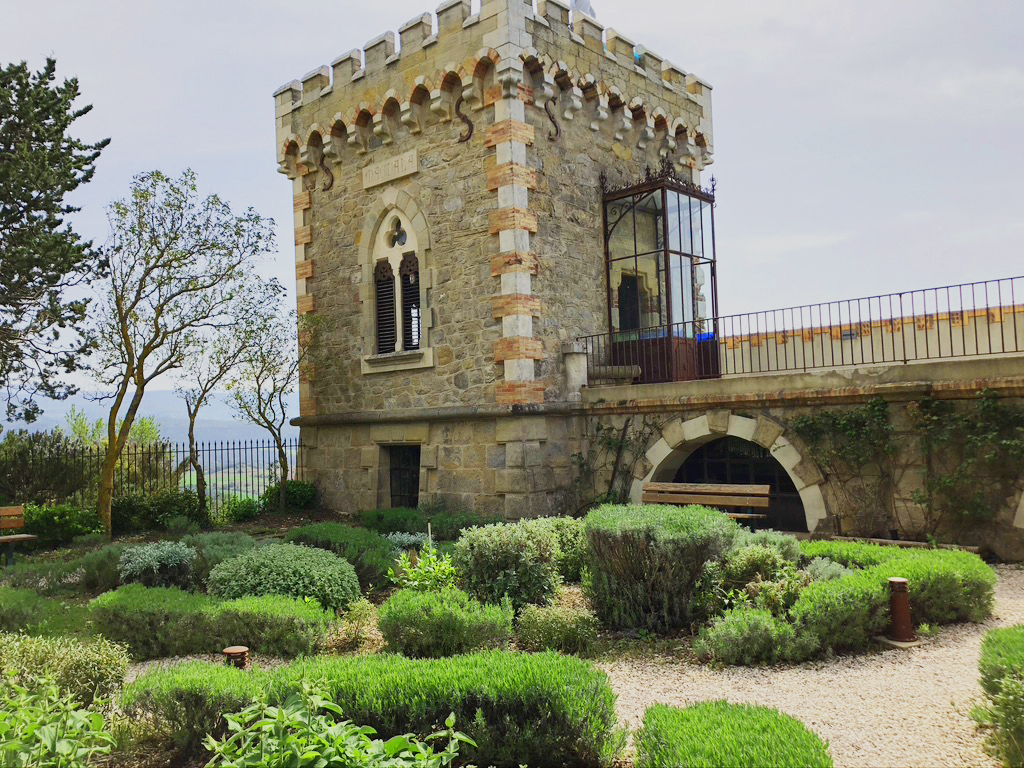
(636, 492)
(767, 432)
(658, 452)
(369, 457)
(533, 454)
(513, 196)
(417, 433)
(428, 457)
(517, 325)
(742, 427)
(806, 473)
(515, 455)
(694, 429)
(523, 428)
(814, 506)
(718, 421)
(783, 452)
(673, 433)
(516, 282)
(511, 481)
(519, 370)
(1018, 519)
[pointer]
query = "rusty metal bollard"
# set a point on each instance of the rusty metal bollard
(901, 628)
(238, 656)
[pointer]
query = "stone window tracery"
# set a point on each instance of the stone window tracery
(398, 335)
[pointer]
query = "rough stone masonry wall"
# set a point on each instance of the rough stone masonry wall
(494, 206)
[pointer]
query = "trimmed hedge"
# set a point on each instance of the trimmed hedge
(852, 554)
(157, 622)
(717, 733)
(645, 561)
(213, 549)
(289, 570)
(58, 525)
(1002, 677)
(1002, 655)
(517, 561)
(434, 624)
(544, 710)
(369, 553)
(22, 610)
(86, 669)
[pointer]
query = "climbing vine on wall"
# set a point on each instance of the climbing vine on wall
(604, 472)
(972, 454)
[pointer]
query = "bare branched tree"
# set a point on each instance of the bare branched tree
(177, 266)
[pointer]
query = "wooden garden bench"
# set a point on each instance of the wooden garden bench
(711, 495)
(13, 519)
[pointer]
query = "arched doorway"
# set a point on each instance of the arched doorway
(735, 460)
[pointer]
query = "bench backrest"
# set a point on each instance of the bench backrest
(12, 518)
(709, 494)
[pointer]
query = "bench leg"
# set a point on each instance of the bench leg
(10, 554)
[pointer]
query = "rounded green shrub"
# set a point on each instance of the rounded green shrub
(564, 628)
(86, 669)
(645, 562)
(823, 569)
(749, 562)
(157, 564)
(59, 524)
(786, 545)
(240, 509)
(517, 561)
(717, 733)
(214, 548)
(369, 553)
(1002, 655)
(445, 623)
(290, 570)
(752, 636)
(572, 544)
(299, 496)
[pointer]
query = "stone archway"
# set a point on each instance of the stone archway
(681, 437)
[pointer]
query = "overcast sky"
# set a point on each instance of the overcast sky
(860, 147)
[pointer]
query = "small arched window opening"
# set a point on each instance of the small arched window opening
(409, 272)
(384, 281)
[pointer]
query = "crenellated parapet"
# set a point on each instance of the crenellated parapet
(442, 68)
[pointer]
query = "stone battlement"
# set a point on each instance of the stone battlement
(442, 66)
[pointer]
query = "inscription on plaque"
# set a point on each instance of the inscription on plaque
(384, 171)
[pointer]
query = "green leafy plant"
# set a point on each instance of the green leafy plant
(778, 594)
(59, 524)
(851, 554)
(357, 625)
(645, 562)
(307, 730)
(300, 496)
(445, 623)
(1002, 678)
(823, 569)
(157, 622)
(406, 541)
(40, 727)
(137, 513)
(749, 562)
(516, 561)
(287, 569)
(179, 525)
(426, 571)
(719, 733)
(786, 545)
(564, 628)
(240, 509)
(85, 669)
(368, 552)
(158, 564)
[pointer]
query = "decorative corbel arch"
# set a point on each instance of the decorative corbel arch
(288, 157)
(681, 437)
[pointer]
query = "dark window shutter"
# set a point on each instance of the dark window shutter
(409, 271)
(384, 280)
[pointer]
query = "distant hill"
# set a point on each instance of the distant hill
(217, 421)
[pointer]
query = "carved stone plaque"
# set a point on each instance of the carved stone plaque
(384, 171)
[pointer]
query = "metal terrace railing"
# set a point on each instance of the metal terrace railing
(955, 321)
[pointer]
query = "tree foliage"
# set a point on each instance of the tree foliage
(41, 327)
(178, 265)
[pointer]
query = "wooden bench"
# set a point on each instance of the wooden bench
(711, 495)
(13, 519)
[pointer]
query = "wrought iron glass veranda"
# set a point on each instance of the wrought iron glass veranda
(659, 240)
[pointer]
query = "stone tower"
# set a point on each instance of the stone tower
(447, 185)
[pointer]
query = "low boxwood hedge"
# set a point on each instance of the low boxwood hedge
(85, 669)
(717, 733)
(157, 622)
(543, 710)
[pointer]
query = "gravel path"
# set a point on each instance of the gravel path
(892, 708)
